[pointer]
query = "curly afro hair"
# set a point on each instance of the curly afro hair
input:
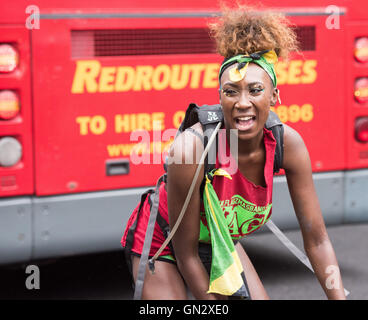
(245, 30)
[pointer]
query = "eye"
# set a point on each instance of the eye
(256, 91)
(229, 92)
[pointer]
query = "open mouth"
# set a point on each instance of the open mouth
(244, 123)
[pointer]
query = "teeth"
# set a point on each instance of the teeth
(245, 118)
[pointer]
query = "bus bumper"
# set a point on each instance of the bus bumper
(342, 196)
(33, 228)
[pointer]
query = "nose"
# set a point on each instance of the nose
(244, 101)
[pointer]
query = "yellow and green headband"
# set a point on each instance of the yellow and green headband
(265, 59)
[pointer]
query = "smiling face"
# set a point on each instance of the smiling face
(246, 103)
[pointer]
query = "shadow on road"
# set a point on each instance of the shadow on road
(96, 276)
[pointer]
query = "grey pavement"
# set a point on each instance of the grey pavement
(105, 275)
(285, 278)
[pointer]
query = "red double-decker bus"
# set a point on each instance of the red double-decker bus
(77, 79)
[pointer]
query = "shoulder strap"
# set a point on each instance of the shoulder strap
(206, 114)
(130, 234)
(274, 124)
(209, 116)
(147, 242)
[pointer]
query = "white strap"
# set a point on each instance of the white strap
(190, 192)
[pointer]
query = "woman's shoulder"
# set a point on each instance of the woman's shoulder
(294, 147)
(183, 159)
(292, 138)
(187, 146)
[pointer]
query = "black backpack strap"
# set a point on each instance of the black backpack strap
(165, 228)
(209, 116)
(274, 124)
(190, 117)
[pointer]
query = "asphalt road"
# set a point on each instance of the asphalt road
(105, 276)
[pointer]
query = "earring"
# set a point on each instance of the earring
(278, 96)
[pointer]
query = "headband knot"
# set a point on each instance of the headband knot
(255, 56)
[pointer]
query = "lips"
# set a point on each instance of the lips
(245, 122)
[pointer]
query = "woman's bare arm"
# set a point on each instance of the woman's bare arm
(182, 166)
(316, 241)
